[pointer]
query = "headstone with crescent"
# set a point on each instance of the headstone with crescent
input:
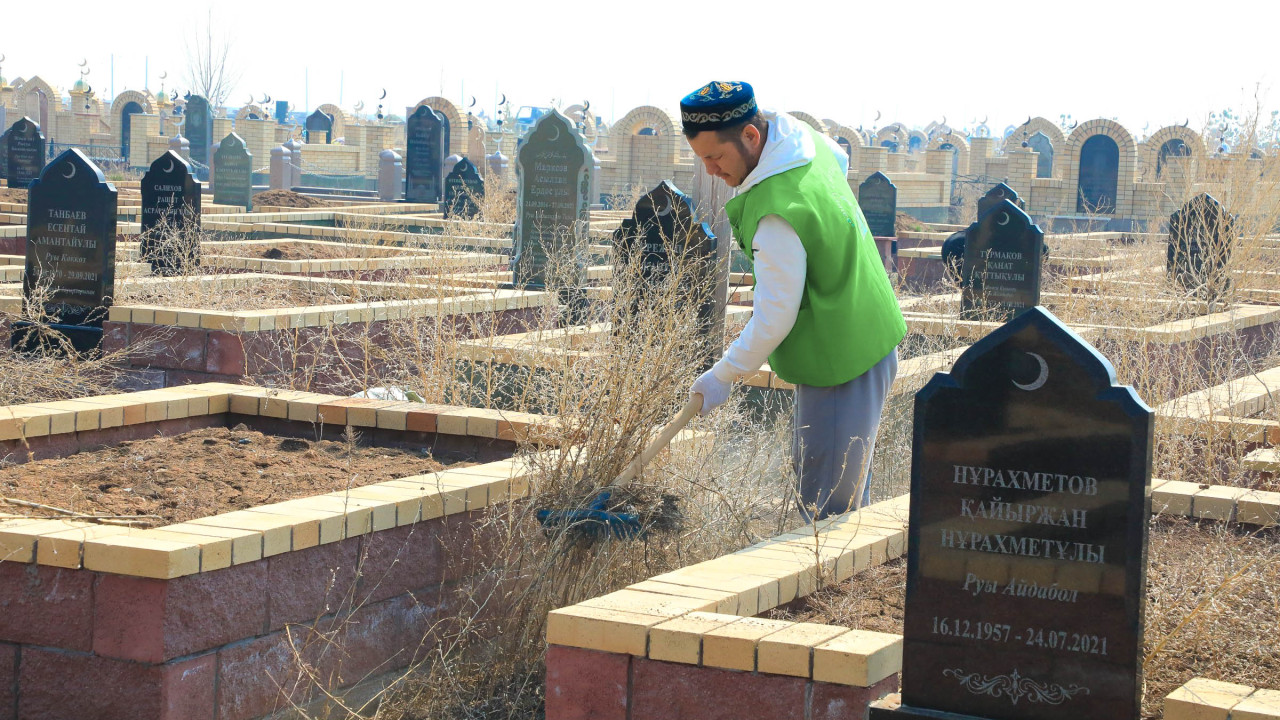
(1027, 535)
(1000, 273)
(319, 128)
(71, 252)
(995, 195)
(553, 205)
(200, 132)
(1201, 234)
(878, 198)
(665, 237)
(424, 156)
(24, 148)
(170, 230)
(233, 173)
(463, 189)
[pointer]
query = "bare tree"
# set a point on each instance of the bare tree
(210, 72)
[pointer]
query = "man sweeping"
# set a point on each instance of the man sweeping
(825, 315)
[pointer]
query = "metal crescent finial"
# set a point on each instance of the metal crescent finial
(473, 102)
(84, 62)
(504, 99)
(1187, 122)
(586, 105)
(164, 75)
(985, 119)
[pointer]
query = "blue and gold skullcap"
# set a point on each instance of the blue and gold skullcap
(717, 105)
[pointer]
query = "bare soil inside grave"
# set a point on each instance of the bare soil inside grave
(205, 472)
(15, 195)
(1212, 596)
(903, 222)
(290, 199)
(297, 251)
(263, 294)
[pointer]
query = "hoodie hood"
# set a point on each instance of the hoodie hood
(789, 146)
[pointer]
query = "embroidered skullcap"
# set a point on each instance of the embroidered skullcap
(717, 105)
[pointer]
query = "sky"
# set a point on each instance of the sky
(1145, 64)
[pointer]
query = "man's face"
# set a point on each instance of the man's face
(730, 160)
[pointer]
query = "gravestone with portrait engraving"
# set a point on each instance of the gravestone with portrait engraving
(553, 205)
(233, 173)
(995, 195)
(1000, 272)
(170, 233)
(199, 129)
(1201, 234)
(664, 236)
(24, 148)
(424, 156)
(463, 191)
(71, 253)
(1027, 539)
(878, 198)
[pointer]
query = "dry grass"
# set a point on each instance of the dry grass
(1213, 595)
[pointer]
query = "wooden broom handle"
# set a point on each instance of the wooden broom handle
(669, 431)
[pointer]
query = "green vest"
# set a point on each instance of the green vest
(849, 318)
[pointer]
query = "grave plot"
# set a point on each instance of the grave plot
(173, 582)
(814, 619)
(301, 332)
(338, 259)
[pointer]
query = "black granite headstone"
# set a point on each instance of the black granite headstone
(1201, 234)
(664, 235)
(319, 128)
(878, 198)
(553, 204)
(233, 173)
(4, 155)
(170, 239)
(424, 156)
(1026, 552)
(995, 195)
(71, 251)
(463, 189)
(1000, 273)
(199, 130)
(25, 150)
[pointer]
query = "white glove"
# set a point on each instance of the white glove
(713, 390)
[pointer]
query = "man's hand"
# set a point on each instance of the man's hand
(713, 390)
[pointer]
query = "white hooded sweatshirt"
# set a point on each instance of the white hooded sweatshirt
(779, 256)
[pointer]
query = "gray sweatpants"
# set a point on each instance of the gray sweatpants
(835, 435)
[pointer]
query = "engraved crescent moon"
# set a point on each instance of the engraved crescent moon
(555, 137)
(1040, 379)
(171, 166)
(1006, 219)
(71, 171)
(666, 211)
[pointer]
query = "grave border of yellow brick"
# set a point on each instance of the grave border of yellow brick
(218, 541)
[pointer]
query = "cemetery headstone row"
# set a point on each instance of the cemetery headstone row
(553, 169)
(665, 236)
(170, 239)
(233, 173)
(24, 151)
(71, 244)
(1026, 559)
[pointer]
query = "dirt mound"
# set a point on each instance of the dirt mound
(205, 472)
(906, 223)
(288, 198)
(17, 195)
